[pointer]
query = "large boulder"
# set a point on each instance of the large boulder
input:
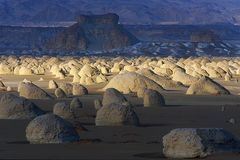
(112, 95)
(79, 90)
(132, 82)
(25, 71)
(62, 109)
(153, 98)
(184, 78)
(116, 115)
(14, 107)
(166, 83)
(67, 88)
(59, 93)
(194, 143)
(50, 128)
(206, 86)
(31, 91)
(5, 69)
(88, 71)
(76, 104)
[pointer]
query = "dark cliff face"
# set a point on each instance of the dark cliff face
(97, 32)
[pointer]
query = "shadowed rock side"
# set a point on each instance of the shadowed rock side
(198, 142)
(97, 32)
(14, 107)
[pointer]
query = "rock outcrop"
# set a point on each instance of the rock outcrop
(206, 86)
(50, 128)
(14, 107)
(193, 142)
(95, 32)
(152, 98)
(31, 91)
(116, 115)
(132, 82)
(112, 95)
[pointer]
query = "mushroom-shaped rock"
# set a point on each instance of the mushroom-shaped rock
(206, 86)
(79, 90)
(152, 98)
(59, 93)
(184, 78)
(14, 107)
(193, 143)
(132, 82)
(166, 83)
(75, 104)
(25, 71)
(112, 95)
(31, 91)
(63, 110)
(116, 115)
(88, 71)
(67, 88)
(51, 128)
(52, 84)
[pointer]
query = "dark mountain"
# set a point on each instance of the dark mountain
(29, 12)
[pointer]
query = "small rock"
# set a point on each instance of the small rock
(59, 93)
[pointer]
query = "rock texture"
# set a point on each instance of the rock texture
(132, 82)
(194, 143)
(153, 98)
(31, 91)
(50, 128)
(205, 86)
(63, 110)
(59, 93)
(14, 107)
(79, 90)
(96, 32)
(116, 115)
(112, 95)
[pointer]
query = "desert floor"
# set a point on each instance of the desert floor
(117, 143)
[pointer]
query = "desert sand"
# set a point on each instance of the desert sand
(127, 142)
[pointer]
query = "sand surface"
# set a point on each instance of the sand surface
(117, 143)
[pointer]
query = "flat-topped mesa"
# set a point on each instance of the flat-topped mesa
(93, 33)
(109, 18)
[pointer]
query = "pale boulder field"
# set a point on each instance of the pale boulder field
(119, 107)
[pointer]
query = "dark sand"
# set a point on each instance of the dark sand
(127, 142)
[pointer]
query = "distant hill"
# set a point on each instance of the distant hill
(47, 12)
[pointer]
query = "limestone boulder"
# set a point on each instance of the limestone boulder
(67, 88)
(14, 107)
(31, 91)
(153, 98)
(194, 143)
(79, 90)
(51, 128)
(116, 115)
(112, 95)
(59, 93)
(132, 82)
(206, 86)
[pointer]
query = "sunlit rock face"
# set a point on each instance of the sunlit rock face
(97, 32)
